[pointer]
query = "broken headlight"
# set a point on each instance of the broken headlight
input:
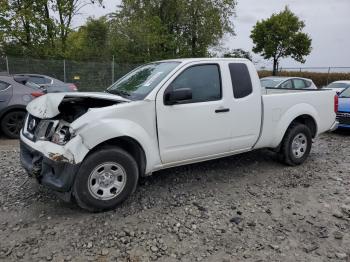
(62, 134)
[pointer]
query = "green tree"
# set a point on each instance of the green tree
(90, 42)
(143, 30)
(281, 36)
(239, 53)
(37, 28)
(20, 25)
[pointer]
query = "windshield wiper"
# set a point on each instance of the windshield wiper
(122, 93)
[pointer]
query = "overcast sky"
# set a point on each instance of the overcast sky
(327, 22)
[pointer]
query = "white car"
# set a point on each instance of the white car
(287, 82)
(339, 86)
(95, 146)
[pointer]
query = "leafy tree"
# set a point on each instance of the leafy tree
(144, 30)
(239, 53)
(90, 42)
(37, 28)
(20, 25)
(281, 36)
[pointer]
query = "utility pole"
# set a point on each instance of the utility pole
(113, 69)
(64, 70)
(7, 65)
(329, 71)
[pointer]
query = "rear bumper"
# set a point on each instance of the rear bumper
(57, 175)
(334, 126)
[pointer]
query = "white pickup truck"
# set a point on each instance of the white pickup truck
(93, 147)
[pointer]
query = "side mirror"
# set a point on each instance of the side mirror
(177, 96)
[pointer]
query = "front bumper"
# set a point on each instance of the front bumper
(57, 175)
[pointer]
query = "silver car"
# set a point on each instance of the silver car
(287, 82)
(15, 93)
(339, 86)
(52, 85)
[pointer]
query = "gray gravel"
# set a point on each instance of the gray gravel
(247, 207)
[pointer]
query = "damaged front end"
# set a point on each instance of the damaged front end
(51, 150)
(50, 116)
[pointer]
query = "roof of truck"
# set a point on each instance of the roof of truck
(204, 59)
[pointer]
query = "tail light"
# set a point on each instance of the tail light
(73, 87)
(37, 94)
(336, 103)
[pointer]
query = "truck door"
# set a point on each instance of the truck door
(245, 105)
(199, 126)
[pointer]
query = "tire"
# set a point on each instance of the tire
(296, 145)
(106, 178)
(12, 123)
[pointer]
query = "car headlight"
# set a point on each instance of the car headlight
(63, 133)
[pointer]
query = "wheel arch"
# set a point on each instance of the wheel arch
(302, 113)
(130, 145)
(307, 120)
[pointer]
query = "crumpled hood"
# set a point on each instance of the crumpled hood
(46, 106)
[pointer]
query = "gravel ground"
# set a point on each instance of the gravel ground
(242, 208)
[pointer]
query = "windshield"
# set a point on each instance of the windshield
(270, 82)
(137, 84)
(338, 85)
(345, 93)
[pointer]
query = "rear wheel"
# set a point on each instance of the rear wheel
(105, 179)
(12, 123)
(296, 144)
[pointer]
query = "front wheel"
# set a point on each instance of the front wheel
(105, 179)
(296, 145)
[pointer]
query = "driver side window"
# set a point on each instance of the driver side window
(203, 80)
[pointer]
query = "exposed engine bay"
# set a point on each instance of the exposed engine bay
(72, 108)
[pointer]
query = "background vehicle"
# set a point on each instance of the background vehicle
(343, 114)
(164, 114)
(15, 93)
(51, 84)
(339, 86)
(288, 82)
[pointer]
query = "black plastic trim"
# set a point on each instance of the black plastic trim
(57, 175)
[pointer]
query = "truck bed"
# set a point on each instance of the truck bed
(282, 106)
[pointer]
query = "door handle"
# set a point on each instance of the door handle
(222, 110)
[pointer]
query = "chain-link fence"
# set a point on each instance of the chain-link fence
(87, 76)
(97, 76)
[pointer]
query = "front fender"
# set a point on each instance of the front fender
(105, 129)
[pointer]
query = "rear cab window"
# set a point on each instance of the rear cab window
(241, 80)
